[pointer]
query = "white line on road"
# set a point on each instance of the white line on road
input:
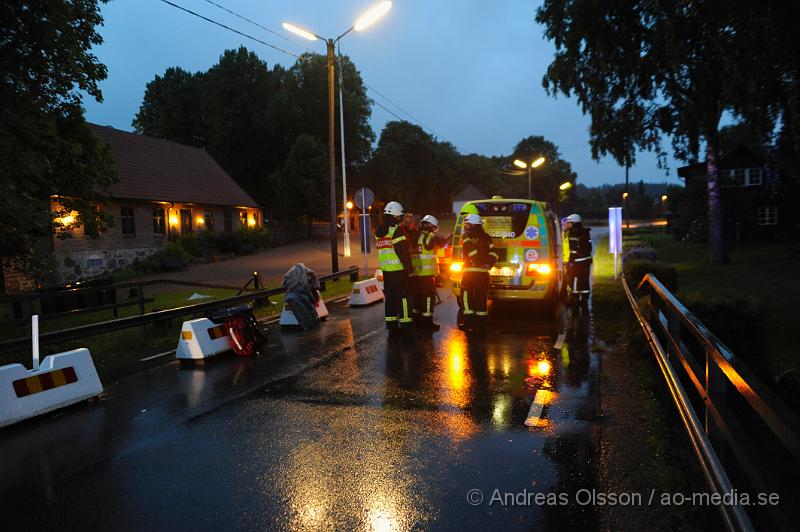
(559, 341)
(542, 398)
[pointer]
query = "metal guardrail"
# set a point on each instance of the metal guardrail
(725, 387)
(92, 329)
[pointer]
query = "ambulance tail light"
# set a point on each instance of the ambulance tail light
(539, 268)
(455, 267)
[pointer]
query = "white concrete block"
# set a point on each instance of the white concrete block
(61, 380)
(366, 292)
(202, 338)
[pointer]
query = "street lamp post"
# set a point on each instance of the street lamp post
(534, 164)
(363, 22)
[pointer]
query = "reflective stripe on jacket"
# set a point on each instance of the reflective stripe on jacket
(387, 257)
(478, 252)
(425, 256)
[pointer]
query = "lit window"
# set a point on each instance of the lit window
(159, 224)
(126, 221)
(767, 215)
(243, 218)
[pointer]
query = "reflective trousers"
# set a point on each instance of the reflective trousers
(426, 295)
(473, 300)
(397, 303)
(578, 279)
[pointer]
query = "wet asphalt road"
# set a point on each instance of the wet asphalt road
(341, 428)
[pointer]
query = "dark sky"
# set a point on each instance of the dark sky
(470, 71)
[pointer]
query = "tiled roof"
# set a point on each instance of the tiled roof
(161, 170)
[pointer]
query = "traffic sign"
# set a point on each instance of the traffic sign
(364, 197)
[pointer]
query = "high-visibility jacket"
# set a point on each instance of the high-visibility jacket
(565, 247)
(580, 244)
(425, 264)
(477, 251)
(387, 256)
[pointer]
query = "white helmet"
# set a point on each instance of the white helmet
(431, 220)
(574, 218)
(474, 219)
(393, 208)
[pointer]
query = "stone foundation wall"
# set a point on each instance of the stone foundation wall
(75, 265)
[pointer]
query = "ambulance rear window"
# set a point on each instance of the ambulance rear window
(504, 220)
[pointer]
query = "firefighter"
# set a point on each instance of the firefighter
(580, 259)
(409, 227)
(565, 288)
(479, 256)
(426, 268)
(395, 263)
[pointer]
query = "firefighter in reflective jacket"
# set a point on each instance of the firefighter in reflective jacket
(479, 256)
(580, 259)
(426, 267)
(395, 262)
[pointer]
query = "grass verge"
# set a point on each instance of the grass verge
(117, 354)
(642, 446)
(765, 272)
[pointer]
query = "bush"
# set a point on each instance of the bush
(736, 319)
(635, 271)
(171, 258)
(639, 253)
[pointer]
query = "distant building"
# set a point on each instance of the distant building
(164, 189)
(468, 193)
(749, 188)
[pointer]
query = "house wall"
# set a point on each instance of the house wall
(80, 256)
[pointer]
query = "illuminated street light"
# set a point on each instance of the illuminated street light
(367, 19)
(565, 186)
(664, 197)
(297, 30)
(349, 205)
(534, 164)
(624, 195)
(372, 15)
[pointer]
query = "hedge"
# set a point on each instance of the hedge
(635, 270)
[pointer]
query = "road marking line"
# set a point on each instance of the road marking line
(542, 398)
(559, 341)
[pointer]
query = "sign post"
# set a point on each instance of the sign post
(615, 235)
(364, 198)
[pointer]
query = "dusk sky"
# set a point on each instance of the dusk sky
(470, 71)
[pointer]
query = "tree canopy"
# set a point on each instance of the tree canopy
(250, 117)
(644, 69)
(46, 146)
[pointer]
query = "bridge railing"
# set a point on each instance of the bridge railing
(740, 431)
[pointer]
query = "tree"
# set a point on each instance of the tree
(248, 117)
(172, 108)
(658, 67)
(300, 186)
(46, 146)
(412, 167)
(547, 177)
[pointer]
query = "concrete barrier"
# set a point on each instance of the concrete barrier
(60, 380)
(202, 338)
(288, 317)
(366, 292)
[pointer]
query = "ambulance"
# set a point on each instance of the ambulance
(527, 237)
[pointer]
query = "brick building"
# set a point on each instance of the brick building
(164, 189)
